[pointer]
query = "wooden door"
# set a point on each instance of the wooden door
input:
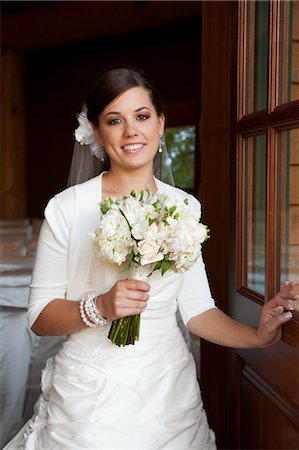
(249, 188)
(266, 382)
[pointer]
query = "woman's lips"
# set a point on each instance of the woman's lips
(133, 148)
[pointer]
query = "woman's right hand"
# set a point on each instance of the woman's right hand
(125, 298)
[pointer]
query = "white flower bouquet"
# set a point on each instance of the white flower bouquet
(147, 231)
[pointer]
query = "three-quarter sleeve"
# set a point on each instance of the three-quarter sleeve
(194, 296)
(50, 273)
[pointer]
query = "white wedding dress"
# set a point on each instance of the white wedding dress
(96, 395)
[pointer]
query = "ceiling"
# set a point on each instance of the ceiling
(28, 26)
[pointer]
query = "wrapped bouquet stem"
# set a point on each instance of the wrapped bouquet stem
(146, 232)
(126, 330)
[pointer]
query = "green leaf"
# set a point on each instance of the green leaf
(172, 210)
(186, 201)
(133, 194)
(128, 262)
(104, 208)
(158, 265)
(165, 266)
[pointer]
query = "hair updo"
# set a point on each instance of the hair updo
(110, 83)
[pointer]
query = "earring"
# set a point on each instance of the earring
(102, 153)
(161, 144)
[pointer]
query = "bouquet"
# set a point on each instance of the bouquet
(146, 232)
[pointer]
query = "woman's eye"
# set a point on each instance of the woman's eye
(114, 121)
(142, 117)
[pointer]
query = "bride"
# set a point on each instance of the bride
(96, 395)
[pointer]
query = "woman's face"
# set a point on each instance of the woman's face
(130, 129)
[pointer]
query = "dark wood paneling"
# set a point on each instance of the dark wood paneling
(217, 145)
(261, 407)
(13, 137)
(47, 24)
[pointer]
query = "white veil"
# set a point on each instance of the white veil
(84, 165)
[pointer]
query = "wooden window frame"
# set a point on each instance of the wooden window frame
(277, 117)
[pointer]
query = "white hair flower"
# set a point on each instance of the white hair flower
(84, 134)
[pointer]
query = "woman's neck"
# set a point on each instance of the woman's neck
(117, 184)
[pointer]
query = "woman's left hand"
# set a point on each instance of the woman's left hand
(275, 313)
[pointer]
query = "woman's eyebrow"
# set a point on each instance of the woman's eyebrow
(136, 110)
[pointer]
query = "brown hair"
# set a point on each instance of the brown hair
(110, 83)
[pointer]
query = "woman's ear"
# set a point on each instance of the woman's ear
(161, 124)
(97, 134)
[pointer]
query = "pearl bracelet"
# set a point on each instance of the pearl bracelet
(89, 312)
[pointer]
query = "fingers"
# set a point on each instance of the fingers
(280, 300)
(270, 332)
(276, 322)
(126, 298)
(136, 285)
(276, 311)
(287, 291)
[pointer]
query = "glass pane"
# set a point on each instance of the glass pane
(180, 143)
(289, 52)
(261, 55)
(255, 191)
(288, 145)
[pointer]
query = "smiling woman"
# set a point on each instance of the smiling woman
(95, 394)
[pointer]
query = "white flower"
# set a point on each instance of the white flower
(202, 232)
(150, 228)
(135, 215)
(149, 251)
(112, 239)
(84, 134)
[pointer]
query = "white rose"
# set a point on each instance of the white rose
(149, 251)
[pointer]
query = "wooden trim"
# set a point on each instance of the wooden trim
(280, 144)
(252, 295)
(273, 74)
(241, 63)
(240, 238)
(250, 33)
(271, 216)
(282, 47)
(282, 117)
(254, 123)
(285, 116)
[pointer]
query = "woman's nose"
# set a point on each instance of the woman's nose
(130, 130)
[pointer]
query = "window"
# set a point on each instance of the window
(180, 142)
(268, 148)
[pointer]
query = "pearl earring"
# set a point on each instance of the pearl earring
(161, 144)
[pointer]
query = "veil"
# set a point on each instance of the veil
(84, 165)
